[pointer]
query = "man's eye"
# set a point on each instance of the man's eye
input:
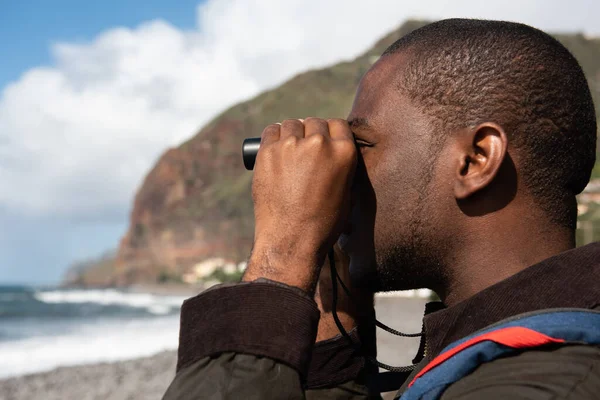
(362, 143)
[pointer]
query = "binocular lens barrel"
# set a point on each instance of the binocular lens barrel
(249, 150)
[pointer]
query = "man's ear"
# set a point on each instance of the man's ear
(482, 152)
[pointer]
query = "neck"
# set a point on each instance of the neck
(499, 250)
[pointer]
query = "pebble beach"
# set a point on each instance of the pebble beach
(149, 377)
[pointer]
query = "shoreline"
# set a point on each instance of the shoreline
(158, 289)
(184, 289)
(149, 377)
(165, 289)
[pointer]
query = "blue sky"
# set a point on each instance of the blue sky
(92, 93)
(36, 249)
(29, 27)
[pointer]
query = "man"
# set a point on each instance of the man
(456, 170)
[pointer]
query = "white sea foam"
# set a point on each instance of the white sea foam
(416, 293)
(90, 342)
(154, 304)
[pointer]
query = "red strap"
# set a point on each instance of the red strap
(516, 337)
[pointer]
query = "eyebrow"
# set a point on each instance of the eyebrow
(358, 123)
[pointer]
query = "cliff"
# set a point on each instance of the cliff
(195, 203)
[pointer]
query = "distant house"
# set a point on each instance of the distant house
(588, 210)
(203, 270)
(591, 193)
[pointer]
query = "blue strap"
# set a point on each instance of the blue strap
(580, 326)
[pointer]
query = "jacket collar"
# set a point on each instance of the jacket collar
(569, 279)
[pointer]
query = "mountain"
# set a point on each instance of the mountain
(94, 272)
(195, 203)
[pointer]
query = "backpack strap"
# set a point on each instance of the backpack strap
(531, 330)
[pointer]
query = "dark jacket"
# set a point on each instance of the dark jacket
(256, 341)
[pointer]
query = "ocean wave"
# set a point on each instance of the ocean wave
(101, 341)
(158, 305)
(9, 297)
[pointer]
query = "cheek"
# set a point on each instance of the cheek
(396, 191)
(392, 221)
(397, 198)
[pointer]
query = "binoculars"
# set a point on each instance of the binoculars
(249, 150)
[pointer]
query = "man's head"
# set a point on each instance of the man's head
(468, 127)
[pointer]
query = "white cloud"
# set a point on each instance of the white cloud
(76, 138)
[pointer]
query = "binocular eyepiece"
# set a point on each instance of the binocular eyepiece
(249, 150)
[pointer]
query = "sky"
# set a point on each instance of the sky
(91, 93)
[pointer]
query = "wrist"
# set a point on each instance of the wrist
(294, 263)
(351, 312)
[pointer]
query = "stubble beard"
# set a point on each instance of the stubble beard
(414, 261)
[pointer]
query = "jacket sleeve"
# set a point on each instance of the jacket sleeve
(256, 341)
(566, 372)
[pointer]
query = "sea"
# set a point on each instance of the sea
(45, 328)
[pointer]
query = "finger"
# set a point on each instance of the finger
(315, 126)
(339, 129)
(270, 134)
(292, 127)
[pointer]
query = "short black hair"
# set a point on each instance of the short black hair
(464, 72)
